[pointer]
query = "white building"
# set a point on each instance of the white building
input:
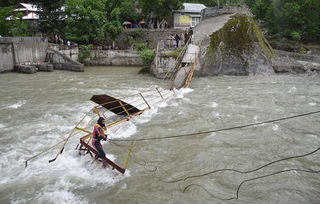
(29, 11)
(189, 16)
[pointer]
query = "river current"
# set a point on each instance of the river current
(39, 110)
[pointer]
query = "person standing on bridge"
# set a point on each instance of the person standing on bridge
(177, 38)
(98, 135)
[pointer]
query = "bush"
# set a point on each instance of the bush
(140, 46)
(295, 36)
(84, 53)
(147, 57)
(173, 53)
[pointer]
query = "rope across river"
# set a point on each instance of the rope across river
(217, 130)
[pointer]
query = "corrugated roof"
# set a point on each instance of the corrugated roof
(29, 7)
(192, 8)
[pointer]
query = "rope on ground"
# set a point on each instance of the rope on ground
(218, 130)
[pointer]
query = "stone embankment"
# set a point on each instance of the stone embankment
(114, 58)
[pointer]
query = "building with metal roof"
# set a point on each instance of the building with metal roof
(189, 16)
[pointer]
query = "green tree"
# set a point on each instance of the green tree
(86, 20)
(18, 27)
(159, 8)
(113, 26)
(292, 19)
(260, 8)
(51, 15)
(310, 16)
(4, 24)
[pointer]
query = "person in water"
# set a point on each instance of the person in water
(98, 135)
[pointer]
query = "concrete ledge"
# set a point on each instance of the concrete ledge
(73, 67)
(45, 67)
(27, 69)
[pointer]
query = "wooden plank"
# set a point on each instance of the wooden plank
(108, 161)
(112, 104)
(84, 142)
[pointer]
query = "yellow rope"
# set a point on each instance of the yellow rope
(129, 155)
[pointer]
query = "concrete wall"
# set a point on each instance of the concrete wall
(6, 57)
(28, 50)
(162, 65)
(149, 36)
(115, 58)
(72, 53)
(63, 62)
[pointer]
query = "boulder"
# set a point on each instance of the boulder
(238, 48)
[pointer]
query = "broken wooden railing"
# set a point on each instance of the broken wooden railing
(115, 111)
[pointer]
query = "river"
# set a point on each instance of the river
(39, 110)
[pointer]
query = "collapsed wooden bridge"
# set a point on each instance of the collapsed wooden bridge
(115, 111)
(119, 110)
(180, 75)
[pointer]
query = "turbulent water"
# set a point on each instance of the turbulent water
(37, 111)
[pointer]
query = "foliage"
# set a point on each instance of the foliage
(18, 27)
(51, 16)
(292, 19)
(147, 57)
(4, 24)
(86, 20)
(84, 53)
(295, 36)
(140, 46)
(245, 33)
(173, 53)
(113, 28)
(159, 8)
(128, 11)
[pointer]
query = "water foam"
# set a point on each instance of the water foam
(70, 171)
(18, 104)
(292, 90)
(214, 105)
(275, 127)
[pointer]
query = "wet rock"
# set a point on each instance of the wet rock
(238, 48)
(287, 65)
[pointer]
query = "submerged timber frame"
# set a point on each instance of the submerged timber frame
(120, 108)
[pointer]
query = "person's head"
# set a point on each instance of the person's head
(101, 121)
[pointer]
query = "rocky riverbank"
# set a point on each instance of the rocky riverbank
(233, 44)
